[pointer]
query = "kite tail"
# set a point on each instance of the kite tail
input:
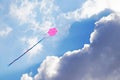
(26, 51)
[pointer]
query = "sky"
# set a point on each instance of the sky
(86, 46)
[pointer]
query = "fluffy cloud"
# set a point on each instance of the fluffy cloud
(92, 7)
(48, 68)
(26, 77)
(97, 61)
(5, 31)
(24, 12)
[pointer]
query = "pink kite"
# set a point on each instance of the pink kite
(51, 32)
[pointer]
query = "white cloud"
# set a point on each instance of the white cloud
(97, 61)
(91, 8)
(26, 77)
(114, 5)
(5, 31)
(24, 12)
(48, 68)
(45, 16)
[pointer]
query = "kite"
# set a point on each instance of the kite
(51, 32)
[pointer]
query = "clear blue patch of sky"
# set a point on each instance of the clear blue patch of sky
(69, 5)
(79, 34)
(4, 7)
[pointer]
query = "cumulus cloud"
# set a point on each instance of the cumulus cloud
(91, 8)
(5, 31)
(98, 60)
(48, 68)
(26, 77)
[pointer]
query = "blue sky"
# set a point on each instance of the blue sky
(24, 22)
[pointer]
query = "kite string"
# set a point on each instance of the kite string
(26, 51)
